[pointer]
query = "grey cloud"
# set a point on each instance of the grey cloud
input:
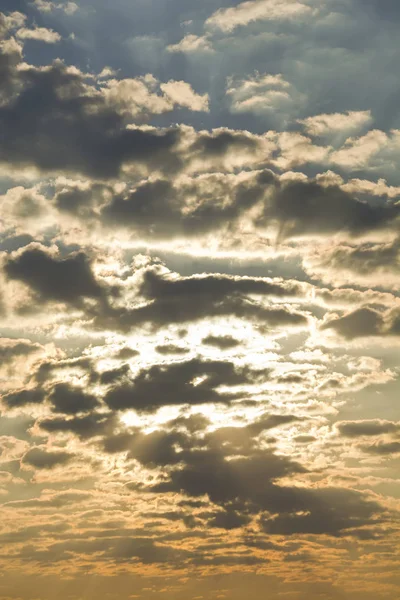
(171, 349)
(354, 429)
(154, 449)
(23, 397)
(127, 353)
(52, 277)
(11, 349)
(191, 382)
(113, 375)
(69, 399)
(185, 299)
(365, 322)
(383, 448)
(79, 132)
(224, 342)
(84, 427)
(304, 208)
(331, 511)
(43, 459)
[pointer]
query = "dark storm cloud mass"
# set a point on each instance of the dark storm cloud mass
(49, 120)
(23, 397)
(68, 399)
(366, 322)
(354, 429)
(11, 349)
(186, 299)
(160, 208)
(383, 448)
(250, 486)
(308, 208)
(223, 342)
(192, 382)
(42, 459)
(85, 427)
(53, 278)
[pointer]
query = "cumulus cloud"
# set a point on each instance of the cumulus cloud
(261, 94)
(39, 34)
(192, 44)
(43, 459)
(228, 19)
(321, 125)
(45, 6)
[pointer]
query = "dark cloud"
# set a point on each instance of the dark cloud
(191, 382)
(12, 349)
(220, 141)
(229, 519)
(186, 299)
(303, 208)
(383, 448)
(107, 377)
(171, 349)
(70, 400)
(23, 397)
(127, 353)
(250, 484)
(54, 121)
(52, 277)
(159, 448)
(223, 342)
(354, 429)
(85, 427)
(330, 511)
(43, 459)
(365, 322)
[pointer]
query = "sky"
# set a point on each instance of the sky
(199, 300)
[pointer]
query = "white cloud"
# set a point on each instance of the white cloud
(192, 43)
(182, 94)
(40, 34)
(144, 95)
(357, 152)
(46, 6)
(227, 19)
(258, 94)
(336, 122)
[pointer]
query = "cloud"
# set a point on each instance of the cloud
(192, 44)
(140, 96)
(305, 207)
(383, 448)
(185, 299)
(23, 397)
(68, 399)
(354, 429)
(63, 105)
(181, 93)
(39, 34)
(334, 123)
(365, 322)
(53, 278)
(171, 349)
(42, 459)
(11, 349)
(261, 94)
(191, 382)
(223, 342)
(45, 6)
(228, 19)
(84, 427)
